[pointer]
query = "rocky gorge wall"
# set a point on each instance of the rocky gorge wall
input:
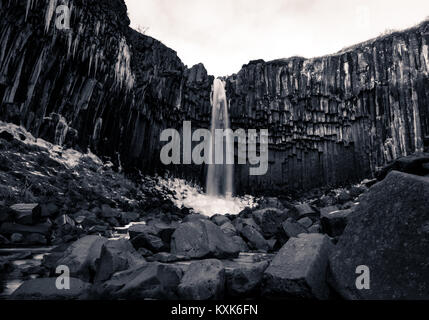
(337, 118)
(102, 85)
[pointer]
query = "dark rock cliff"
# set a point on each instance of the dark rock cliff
(102, 85)
(337, 118)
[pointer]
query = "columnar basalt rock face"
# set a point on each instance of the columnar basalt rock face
(337, 118)
(102, 85)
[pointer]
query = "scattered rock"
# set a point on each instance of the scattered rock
(344, 197)
(27, 214)
(335, 222)
(293, 229)
(149, 281)
(36, 239)
(272, 220)
(128, 217)
(81, 256)
(327, 210)
(240, 243)
(202, 239)
(228, 229)
(299, 269)
(304, 210)
(305, 222)
(315, 228)
(64, 220)
(11, 228)
(389, 233)
(144, 236)
(49, 210)
(245, 281)
(108, 212)
(255, 239)
(45, 289)
(116, 255)
(413, 164)
(220, 219)
(204, 280)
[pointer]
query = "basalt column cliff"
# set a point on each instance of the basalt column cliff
(338, 117)
(102, 85)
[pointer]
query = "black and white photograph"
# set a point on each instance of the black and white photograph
(214, 155)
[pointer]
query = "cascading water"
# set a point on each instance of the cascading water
(219, 176)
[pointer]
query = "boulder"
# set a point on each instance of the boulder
(148, 281)
(305, 222)
(116, 255)
(64, 220)
(27, 213)
(46, 289)
(204, 280)
(293, 229)
(202, 239)
(228, 229)
(82, 255)
(144, 236)
(245, 282)
(240, 223)
(327, 210)
(299, 269)
(49, 210)
(413, 164)
(240, 243)
(389, 233)
(128, 217)
(315, 228)
(108, 212)
(255, 240)
(36, 239)
(6, 214)
(344, 197)
(335, 222)
(304, 210)
(8, 228)
(272, 220)
(220, 219)
(164, 230)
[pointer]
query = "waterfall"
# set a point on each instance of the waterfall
(219, 176)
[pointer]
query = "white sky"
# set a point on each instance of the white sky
(225, 34)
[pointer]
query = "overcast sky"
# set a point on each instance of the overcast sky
(225, 34)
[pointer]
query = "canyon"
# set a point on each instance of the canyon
(103, 86)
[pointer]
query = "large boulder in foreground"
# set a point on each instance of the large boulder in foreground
(81, 257)
(148, 281)
(203, 239)
(115, 256)
(245, 281)
(388, 233)
(46, 289)
(204, 280)
(299, 269)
